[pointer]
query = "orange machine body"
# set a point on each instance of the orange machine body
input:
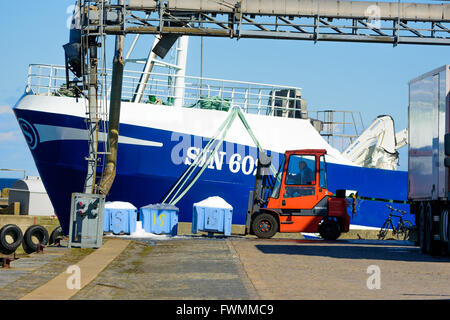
(301, 206)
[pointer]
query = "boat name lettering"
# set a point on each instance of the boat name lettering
(236, 163)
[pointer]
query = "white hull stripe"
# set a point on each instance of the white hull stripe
(55, 133)
(359, 227)
(277, 134)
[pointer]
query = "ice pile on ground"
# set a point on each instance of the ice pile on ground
(141, 233)
(214, 202)
(119, 205)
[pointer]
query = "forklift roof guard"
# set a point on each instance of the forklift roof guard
(318, 152)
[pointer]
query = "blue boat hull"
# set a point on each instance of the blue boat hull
(146, 173)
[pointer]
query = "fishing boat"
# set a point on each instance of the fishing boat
(166, 119)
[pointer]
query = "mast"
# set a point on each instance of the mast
(180, 72)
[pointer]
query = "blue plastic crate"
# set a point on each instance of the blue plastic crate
(120, 221)
(107, 220)
(160, 219)
(212, 220)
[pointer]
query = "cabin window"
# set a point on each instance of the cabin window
(322, 173)
(301, 170)
(277, 185)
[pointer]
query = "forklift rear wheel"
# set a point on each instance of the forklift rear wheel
(265, 226)
(329, 229)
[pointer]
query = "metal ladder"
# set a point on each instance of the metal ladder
(94, 79)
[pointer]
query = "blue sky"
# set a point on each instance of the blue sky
(371, 78)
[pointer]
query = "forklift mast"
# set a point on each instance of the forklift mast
(257, 196)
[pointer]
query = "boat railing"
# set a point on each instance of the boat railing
(339, 127)
(196, 92)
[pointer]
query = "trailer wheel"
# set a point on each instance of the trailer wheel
(38, 232)
(448, 236)
(329, 229)
(8, 232)
(422, 230)
(433, 246)
(415, 210)
(265, 226)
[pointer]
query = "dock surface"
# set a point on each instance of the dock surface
(233, 268)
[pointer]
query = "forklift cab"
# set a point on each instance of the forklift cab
(301, 181)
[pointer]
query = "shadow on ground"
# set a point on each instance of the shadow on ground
(345, 250)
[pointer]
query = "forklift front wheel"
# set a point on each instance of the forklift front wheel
(265, 226)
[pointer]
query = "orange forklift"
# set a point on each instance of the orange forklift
(296, 199)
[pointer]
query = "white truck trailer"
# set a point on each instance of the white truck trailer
(428, 169)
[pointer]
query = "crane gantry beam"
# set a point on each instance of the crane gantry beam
(316, 20)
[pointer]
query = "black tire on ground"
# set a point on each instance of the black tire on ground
(329, 229)
(265, 225)
(57, 233)
(35, 231)
(433, 246)
(422, 230)
(10, 231)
